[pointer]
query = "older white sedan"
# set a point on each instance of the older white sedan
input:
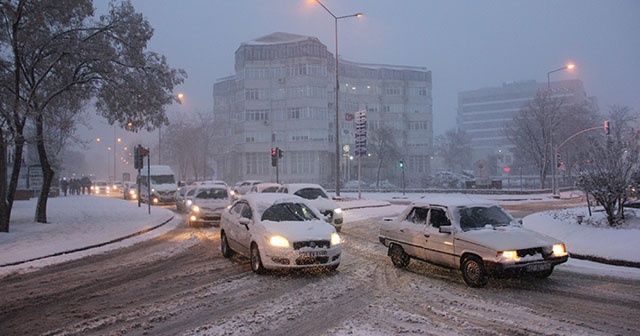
(475, 236)
(279, 231)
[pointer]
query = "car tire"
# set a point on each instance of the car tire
(255, 260)
(226, 250)
(399, 257)
(473, 272)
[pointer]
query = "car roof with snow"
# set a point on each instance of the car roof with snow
(265, 200)
(293, 187)
(453, 201)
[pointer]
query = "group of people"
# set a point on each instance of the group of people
(76, 186)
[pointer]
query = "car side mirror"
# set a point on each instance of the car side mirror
(446, 229)
(245, 221)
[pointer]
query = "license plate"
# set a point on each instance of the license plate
(538, 267)
(313, 254)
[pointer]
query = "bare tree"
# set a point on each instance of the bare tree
(542, 125)
(382, 142)
(613, 164)
(59, 58)
(455, 149)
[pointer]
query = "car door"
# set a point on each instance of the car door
(238, 232)
(439, 246)
(412, 230)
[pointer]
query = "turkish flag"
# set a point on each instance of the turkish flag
(349, 116)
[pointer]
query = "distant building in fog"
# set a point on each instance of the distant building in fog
(282, 95)
(483, 113)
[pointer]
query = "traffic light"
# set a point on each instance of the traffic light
(274, 157)
(607, 128)
(280, 152)
(558, 160)
(401, 163)
(138, 162)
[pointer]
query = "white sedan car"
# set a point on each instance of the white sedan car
(206, 203)
(317, 196)
(279, 231)
(477, 237)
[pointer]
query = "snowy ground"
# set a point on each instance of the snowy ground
(78, 222)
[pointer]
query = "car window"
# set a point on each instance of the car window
(438, 218)
(418, 215)
(191, 192)
(288, 212)
(480, 216)
(246, 212)
(310, 193)
(212, 194)
(270, 190)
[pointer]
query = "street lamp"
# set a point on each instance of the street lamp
(554, 187)
(336, 18)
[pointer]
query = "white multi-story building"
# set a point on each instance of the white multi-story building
(483, 114)
(282, 95)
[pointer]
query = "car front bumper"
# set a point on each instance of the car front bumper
(273, 257)
(523, 268)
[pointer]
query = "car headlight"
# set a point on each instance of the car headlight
(559, 250)
(195, 208)
(508, 255)
(335, 239)
(279, 241)
(337, 211)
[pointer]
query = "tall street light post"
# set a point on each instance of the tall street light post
(554, 187)
(337, 139)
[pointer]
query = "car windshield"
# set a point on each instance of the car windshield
(310, 193)
(162, 179)
(212, 194)
(296, 212)
(477, 217)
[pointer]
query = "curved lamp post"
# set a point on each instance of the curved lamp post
(337, 160)
(554, 184)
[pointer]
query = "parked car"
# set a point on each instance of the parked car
(130, 191)
(265, 187)
(207, 204)
(275, 230)
(477, 237)
(244, 187)
(317, 196)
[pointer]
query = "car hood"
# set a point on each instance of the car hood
(211, 204)
(507, 238)
(300, 231)
(323, 204)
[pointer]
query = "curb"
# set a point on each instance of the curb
(613, 262)
(90, 246)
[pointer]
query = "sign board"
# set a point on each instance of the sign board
(35, 177)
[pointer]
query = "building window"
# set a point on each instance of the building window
(301, 163)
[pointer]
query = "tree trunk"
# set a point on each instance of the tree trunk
(47, 173)
(5, 210)
(5, 216)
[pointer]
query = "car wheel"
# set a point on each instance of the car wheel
(473, 272)
(399, 257)
(227, 252)
(256, 262)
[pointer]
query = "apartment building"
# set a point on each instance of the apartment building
(282, 95)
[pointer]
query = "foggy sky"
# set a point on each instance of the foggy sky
(466, 44)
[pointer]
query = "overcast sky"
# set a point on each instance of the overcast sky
(466, 44)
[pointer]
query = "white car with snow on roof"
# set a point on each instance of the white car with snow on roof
(279, 231)
(476, 236)
(317, 196)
